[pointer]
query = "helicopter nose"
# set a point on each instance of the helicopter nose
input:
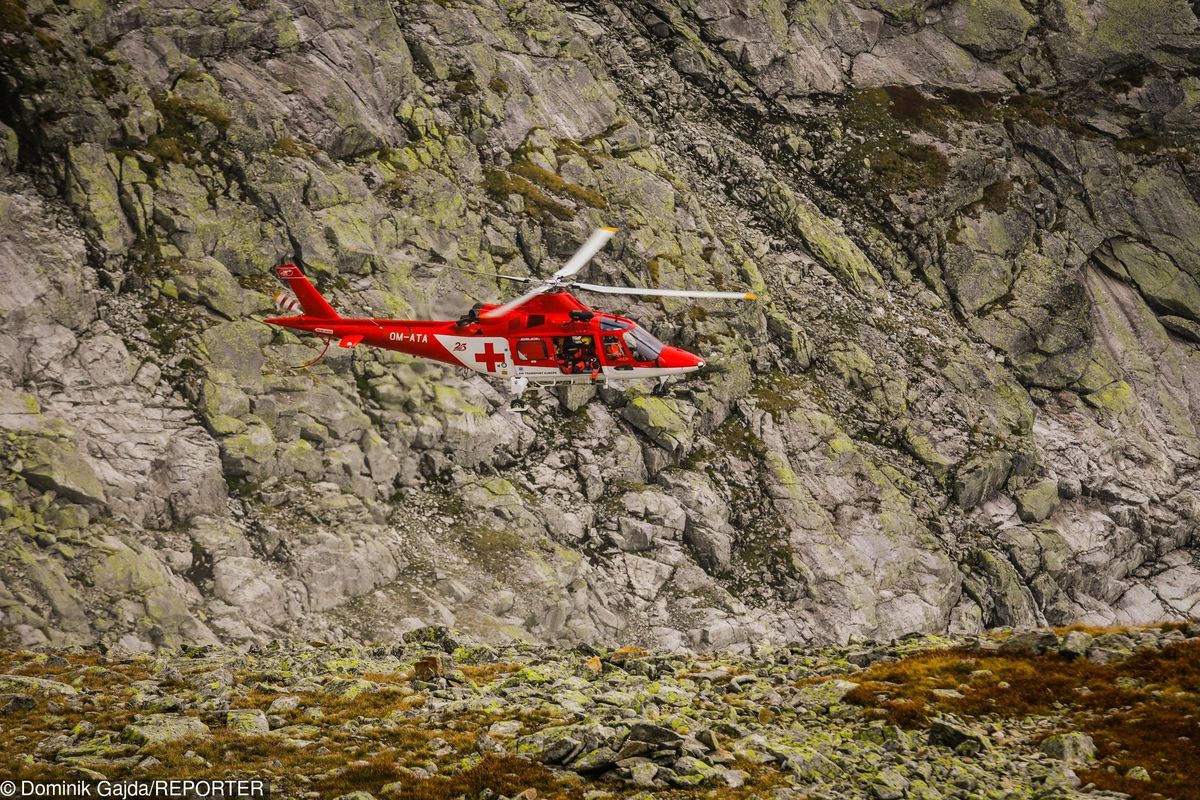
(678, 358)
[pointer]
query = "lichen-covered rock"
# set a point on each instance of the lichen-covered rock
(248, 583)
(955, 735)
(1038, 501)
(662, 420)
(1072, 747)
(987, 26)
(58, 466)
(40, 685)
(160, 728)
(251, 722)
(1075, 644)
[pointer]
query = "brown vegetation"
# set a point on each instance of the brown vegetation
(500, 185)
(883, 117)
(503, 774)
(13, 18)
(542, 189)
(552, 182)
(176, 141)
(287, 145)
(1142, 711)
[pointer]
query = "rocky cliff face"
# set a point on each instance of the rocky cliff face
(968, 397)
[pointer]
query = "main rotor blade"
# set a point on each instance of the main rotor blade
(517, 278)
(584, 254)
(593, 287)
(500, 311)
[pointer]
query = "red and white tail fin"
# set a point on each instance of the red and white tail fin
(310, 299)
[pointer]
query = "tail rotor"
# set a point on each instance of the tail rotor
(286, 301)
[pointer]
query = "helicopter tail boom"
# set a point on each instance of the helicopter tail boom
(311, 301)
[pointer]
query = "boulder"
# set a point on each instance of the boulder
(595, 761)
(505, 728)
(159, 728)
(282, 705)
(981, 477)
(247, 721)
(1038, 502)
(1074, 747)
(987, 26)
(249, 583)
(889, 784)
(554, 745)
(350, 688)
(654, 734)
(712, 549)
(956, 735)
(1138, 774)
(17, 703)
(1075, 644)
(435, 665)
(666, 422)
(42, 686)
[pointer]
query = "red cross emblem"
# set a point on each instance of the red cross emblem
(490, 357)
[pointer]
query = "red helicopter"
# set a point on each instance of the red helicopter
(542, 338)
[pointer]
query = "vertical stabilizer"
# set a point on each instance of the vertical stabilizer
(311, 301)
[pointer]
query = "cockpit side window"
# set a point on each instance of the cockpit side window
(643, 346)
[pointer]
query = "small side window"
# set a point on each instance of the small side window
(613, 351)
(532, 350)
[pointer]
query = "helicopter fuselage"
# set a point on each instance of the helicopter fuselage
(551, 339)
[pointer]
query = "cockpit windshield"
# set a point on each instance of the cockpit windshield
(643, 346)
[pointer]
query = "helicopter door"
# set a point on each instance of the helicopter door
(532, 352)
(576, 354)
